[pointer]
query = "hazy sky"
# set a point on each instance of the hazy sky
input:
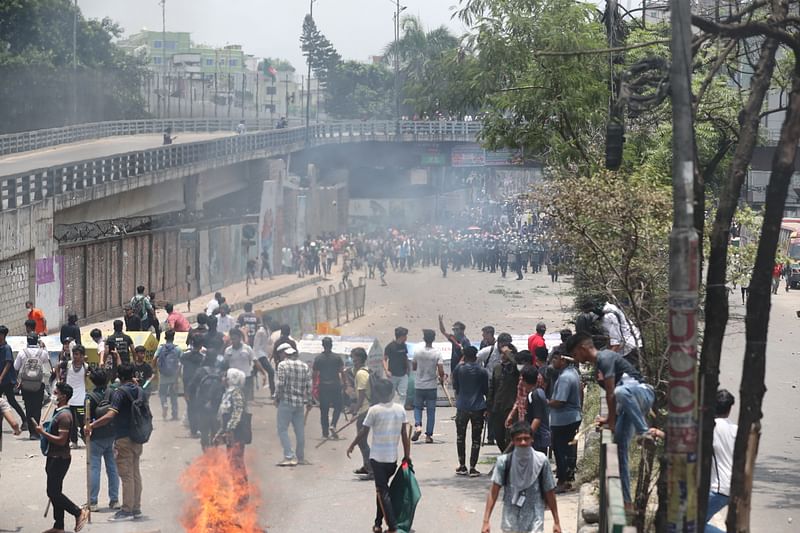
(357, 28)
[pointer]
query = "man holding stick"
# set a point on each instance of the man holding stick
(58, 461)
(387, 420)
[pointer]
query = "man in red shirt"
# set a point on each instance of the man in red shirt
(537, 339)
(37, 315)
(176, 320)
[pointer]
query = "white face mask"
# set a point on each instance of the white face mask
(519, 367)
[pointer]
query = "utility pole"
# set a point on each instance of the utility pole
(682, 432)
(164, 54)
(75, 64)
(397, 64)
(308, 90)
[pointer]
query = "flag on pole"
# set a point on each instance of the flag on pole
(272, 71)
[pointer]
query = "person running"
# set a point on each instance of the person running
(262, 348)
(396, 363)
(8, 376)
(429, 370)
(328, 370)
(628, 398)
(102, 444)
(33, 368)
(58, 461)
(526, 479)
(127, 452)
(724, 442)
(471, 383)
(565, 418)
(293, 392)
(387, 421)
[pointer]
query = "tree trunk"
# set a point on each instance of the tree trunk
(716, 308)
(752, 386)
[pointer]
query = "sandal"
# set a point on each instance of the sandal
(377, 529)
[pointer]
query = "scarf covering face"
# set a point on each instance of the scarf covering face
(523, 471)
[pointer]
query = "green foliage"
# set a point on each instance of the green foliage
(358, 90)
(281, 65)
(37, 81)
(318, 50)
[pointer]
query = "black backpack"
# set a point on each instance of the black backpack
(209, 392)
(141, 417)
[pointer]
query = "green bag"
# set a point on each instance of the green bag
(405, 494)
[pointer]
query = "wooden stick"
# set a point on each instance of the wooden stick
(338, 431)
(88, 438)
(581, 433)
(447, 394)
(47, 414)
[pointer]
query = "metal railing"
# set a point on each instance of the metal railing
(34, 140)
(35, 185)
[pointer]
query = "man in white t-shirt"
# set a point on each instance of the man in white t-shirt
(76, 378)
(623, 335)
(240, 356)
(213, 304)
(387, 421)
(429, 372)
(722, 461)
(33, 368)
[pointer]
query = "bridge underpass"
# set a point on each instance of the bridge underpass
(212, 184)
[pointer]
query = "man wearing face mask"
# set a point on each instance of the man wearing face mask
(503, 393)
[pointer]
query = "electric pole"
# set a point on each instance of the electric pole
(682, 432)
(308, 89)
(164, 53)
(75, 64)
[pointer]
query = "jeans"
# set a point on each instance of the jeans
(383, 473)
(168, 389)
(103, 449)
(330, 395)
(288, 414)
(363, 445)
(77, 424)
(634, 400)
(716, 502)
(270, 372)
(56, 469)
(425, 398)
(33, 407)
(476, 419)
(566, 454)
(128, 455)
(400, 386)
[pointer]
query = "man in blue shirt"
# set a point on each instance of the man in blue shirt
(565, 418)
(8, 376)
(471, 383)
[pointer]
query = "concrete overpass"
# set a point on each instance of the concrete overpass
(119, 170)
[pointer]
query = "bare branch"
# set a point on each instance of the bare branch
(749, 29)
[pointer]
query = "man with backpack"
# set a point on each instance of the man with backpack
(141, 306)
(527, 482)
(30, 365)
(133, 424)
(292, 393)
(102, 448)
(123, 342)
(205, 393)
(168, 363)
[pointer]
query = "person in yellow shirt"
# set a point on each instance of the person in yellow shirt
(362, 404)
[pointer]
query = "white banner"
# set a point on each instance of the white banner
(266, 219)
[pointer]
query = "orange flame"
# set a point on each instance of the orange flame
(221, 500)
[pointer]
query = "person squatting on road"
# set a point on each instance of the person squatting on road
(527, 482)
(387, 421)
(471, 383)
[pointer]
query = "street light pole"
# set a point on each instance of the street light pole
(308, 90)
(397, 63)
(682, 433)
(75, 64)
(164, 53)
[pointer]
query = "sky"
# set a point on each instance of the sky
(271, 28)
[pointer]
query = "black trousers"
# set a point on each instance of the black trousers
(566, 455)
(330, 396)
(498, 422)
(476, 419)
(33, 407)
(56, 469)
(8, 391)
(77, 423)
(383, 473)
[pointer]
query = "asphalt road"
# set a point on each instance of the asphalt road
(68, 153)
(327, 497)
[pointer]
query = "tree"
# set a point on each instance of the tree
(360, 91)
(38, 82)
(318, 50)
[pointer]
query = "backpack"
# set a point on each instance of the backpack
(44, 444)
(137, 304)
(103, 403)
(141, 417)
(209, 392)
(373, 379)
(32, 373)
(168, 361)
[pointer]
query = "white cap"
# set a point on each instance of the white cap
(286, 348)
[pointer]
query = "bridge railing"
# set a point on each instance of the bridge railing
(33, 140)
(35, 185)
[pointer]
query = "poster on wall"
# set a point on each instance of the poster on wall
(267, 217)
